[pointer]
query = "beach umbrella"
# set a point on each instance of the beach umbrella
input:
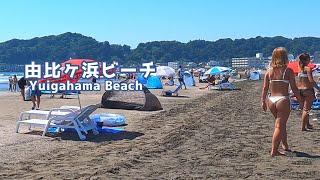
(76, 62)
(78, 74)
(217, 70)
(165, 71)
(65, 77)
(294, 65)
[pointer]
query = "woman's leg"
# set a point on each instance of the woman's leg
(283, 113)
(307, 103)
(38, 101)
(272, 108)
(308, 100)
(280, 133)
(276, 133)
(22, 93)
(33, 99)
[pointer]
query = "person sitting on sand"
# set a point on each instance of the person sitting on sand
(170, 82)
(225, 78)
(211, 79)
(306, 86)
(277, 80)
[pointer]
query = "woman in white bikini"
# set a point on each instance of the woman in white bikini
(277, 79)
(306, 84)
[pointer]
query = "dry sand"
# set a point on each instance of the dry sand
(221, 134)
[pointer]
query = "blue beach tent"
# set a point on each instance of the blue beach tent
(152, 82)
(188, 79)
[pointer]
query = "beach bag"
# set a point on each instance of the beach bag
(27, 93)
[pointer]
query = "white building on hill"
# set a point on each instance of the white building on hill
(174, 65)
(258, 62)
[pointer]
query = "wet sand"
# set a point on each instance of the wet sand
(220, 134)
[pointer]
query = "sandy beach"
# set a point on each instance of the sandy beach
(204, 134)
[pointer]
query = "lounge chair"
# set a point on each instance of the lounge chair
(62, 118)
(172, 93)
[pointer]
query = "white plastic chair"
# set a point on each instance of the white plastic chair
(57, 117)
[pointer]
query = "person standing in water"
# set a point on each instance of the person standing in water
(277, 79)
(10, 83)
(306, 85)
(14, 85)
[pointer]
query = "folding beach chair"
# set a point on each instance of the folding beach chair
(63, 118)
(171, 93)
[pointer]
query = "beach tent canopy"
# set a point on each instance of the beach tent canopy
(152, 82)
(217, 70)
(188, 78)
(135, 100)
(294, 65)
(141, 79)
(254, 75)
(165, 71)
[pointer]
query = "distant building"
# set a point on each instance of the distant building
(161, 64)
(258, 62)
(174, 65)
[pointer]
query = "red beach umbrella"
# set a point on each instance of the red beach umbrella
(294, 65)
(65, 77)
(78, 74)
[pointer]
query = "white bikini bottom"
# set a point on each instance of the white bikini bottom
(275, 99)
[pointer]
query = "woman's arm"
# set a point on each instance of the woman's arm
(311, 80)
(293, 84)
(265, 89)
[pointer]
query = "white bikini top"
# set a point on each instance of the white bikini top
(280, 80)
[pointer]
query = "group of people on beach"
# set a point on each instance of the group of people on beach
(211, 80)
(180, 76)
(13, 80)
(276, 83)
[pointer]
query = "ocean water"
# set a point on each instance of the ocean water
(4, 79)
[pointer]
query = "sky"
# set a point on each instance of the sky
(135, 21)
